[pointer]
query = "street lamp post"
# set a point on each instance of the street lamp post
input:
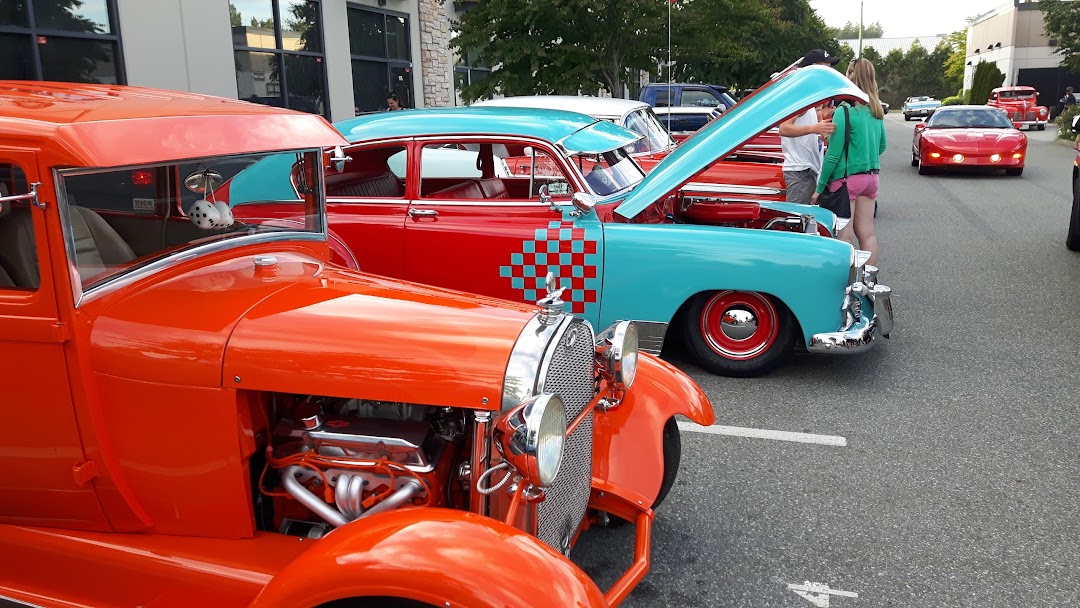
(860, 27)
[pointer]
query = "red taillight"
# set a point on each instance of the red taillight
(142, 178)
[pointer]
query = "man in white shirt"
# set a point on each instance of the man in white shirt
(800, 140)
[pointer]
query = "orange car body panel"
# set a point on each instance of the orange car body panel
(131, 421)
(628, 451)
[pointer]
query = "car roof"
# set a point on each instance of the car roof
(718, 87)
(95, 125)
(607, 108)
(1014, 88)
(550, 125)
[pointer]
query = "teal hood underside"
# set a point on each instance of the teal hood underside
(786, 97)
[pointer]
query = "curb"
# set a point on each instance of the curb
(1068, 143)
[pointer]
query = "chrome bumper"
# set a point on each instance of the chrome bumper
(860, 335)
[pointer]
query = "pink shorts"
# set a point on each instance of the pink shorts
(861, 184)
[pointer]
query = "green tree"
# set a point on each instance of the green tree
(851, 31)
(234, 16)
(1061, 21)
(561, 46)
(987, 77)
(954, 64)
(67, 59)
(264, 23)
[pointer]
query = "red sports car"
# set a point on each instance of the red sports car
(968, 136)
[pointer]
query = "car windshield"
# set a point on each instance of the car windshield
(978, 118)
(609, 172)
(655, 138)
(137, 216)
(1017, 94)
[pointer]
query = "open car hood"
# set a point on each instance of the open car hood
(786, 97)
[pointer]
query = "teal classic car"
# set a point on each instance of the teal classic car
(548, 193)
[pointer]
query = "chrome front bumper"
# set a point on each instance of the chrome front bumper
(861, 332)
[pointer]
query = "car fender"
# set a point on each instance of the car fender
(436, 556)
(652, 270)
(628, 448)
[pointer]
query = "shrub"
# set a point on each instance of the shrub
(1064, 122)
(955, 100)
(987, 77)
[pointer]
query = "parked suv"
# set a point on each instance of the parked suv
(687, 94)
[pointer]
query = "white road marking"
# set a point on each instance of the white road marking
(738, 431)
(818, 593)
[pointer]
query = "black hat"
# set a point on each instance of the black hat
(818, 56)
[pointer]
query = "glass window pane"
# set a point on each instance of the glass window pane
(401, 83)
(304, 77)
(13, 12)
(397, 37)
(300, 29)
(78, 60)
(253, 23)
(369, 86)
(89, 16)
(258, 78)
(367, 35)
(18, 63)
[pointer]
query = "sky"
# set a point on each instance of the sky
(906, 18)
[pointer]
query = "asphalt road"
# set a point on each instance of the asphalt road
(960, 479)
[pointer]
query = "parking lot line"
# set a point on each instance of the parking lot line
(738, 431)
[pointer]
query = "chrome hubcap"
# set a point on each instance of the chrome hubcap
(738, 323)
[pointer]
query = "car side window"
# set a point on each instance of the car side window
(373, 172)
(699, 98)
(489, 170)
(18, 248)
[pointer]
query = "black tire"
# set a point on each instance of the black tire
(1072, 241)
(708, 331)
(1041, 127)
(923, 169)
(1015, 172)
(672, 441)
(914, 159)
(672, 458)
(906, 117)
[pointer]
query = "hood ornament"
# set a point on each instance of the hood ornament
(551, 305)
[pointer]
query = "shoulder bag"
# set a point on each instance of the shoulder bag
(837, 201)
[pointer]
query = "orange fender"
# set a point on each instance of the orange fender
(436, 556)
(628, 447)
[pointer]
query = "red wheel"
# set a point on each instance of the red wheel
(739, 333)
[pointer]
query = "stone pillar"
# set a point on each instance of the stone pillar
(436, 58)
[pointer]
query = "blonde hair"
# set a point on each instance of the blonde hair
(862, 73)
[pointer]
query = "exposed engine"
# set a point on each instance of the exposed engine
(337, 460)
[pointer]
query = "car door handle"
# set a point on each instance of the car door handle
(423, 213)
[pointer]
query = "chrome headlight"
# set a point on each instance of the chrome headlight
(531, 437)
(617, 353)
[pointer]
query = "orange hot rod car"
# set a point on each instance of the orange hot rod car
(199, 410)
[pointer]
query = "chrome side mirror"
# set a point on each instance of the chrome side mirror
(338, 159)
(583, 202)
(203, 181)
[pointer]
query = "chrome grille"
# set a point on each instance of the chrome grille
(570, 375)
(1030, 116)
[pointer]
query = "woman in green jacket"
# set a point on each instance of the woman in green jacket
(861, 163)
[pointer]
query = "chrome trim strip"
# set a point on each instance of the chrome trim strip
(138, 274)
(730, 188)
(523, 369)
(651, 336)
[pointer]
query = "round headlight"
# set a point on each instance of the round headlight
(531, 437)
(617, 351)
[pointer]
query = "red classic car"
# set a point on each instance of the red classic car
(1021, 105)
(203, 410)
(968, 136)
(656, 141)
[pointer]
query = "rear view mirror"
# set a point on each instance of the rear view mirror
(338, 159)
